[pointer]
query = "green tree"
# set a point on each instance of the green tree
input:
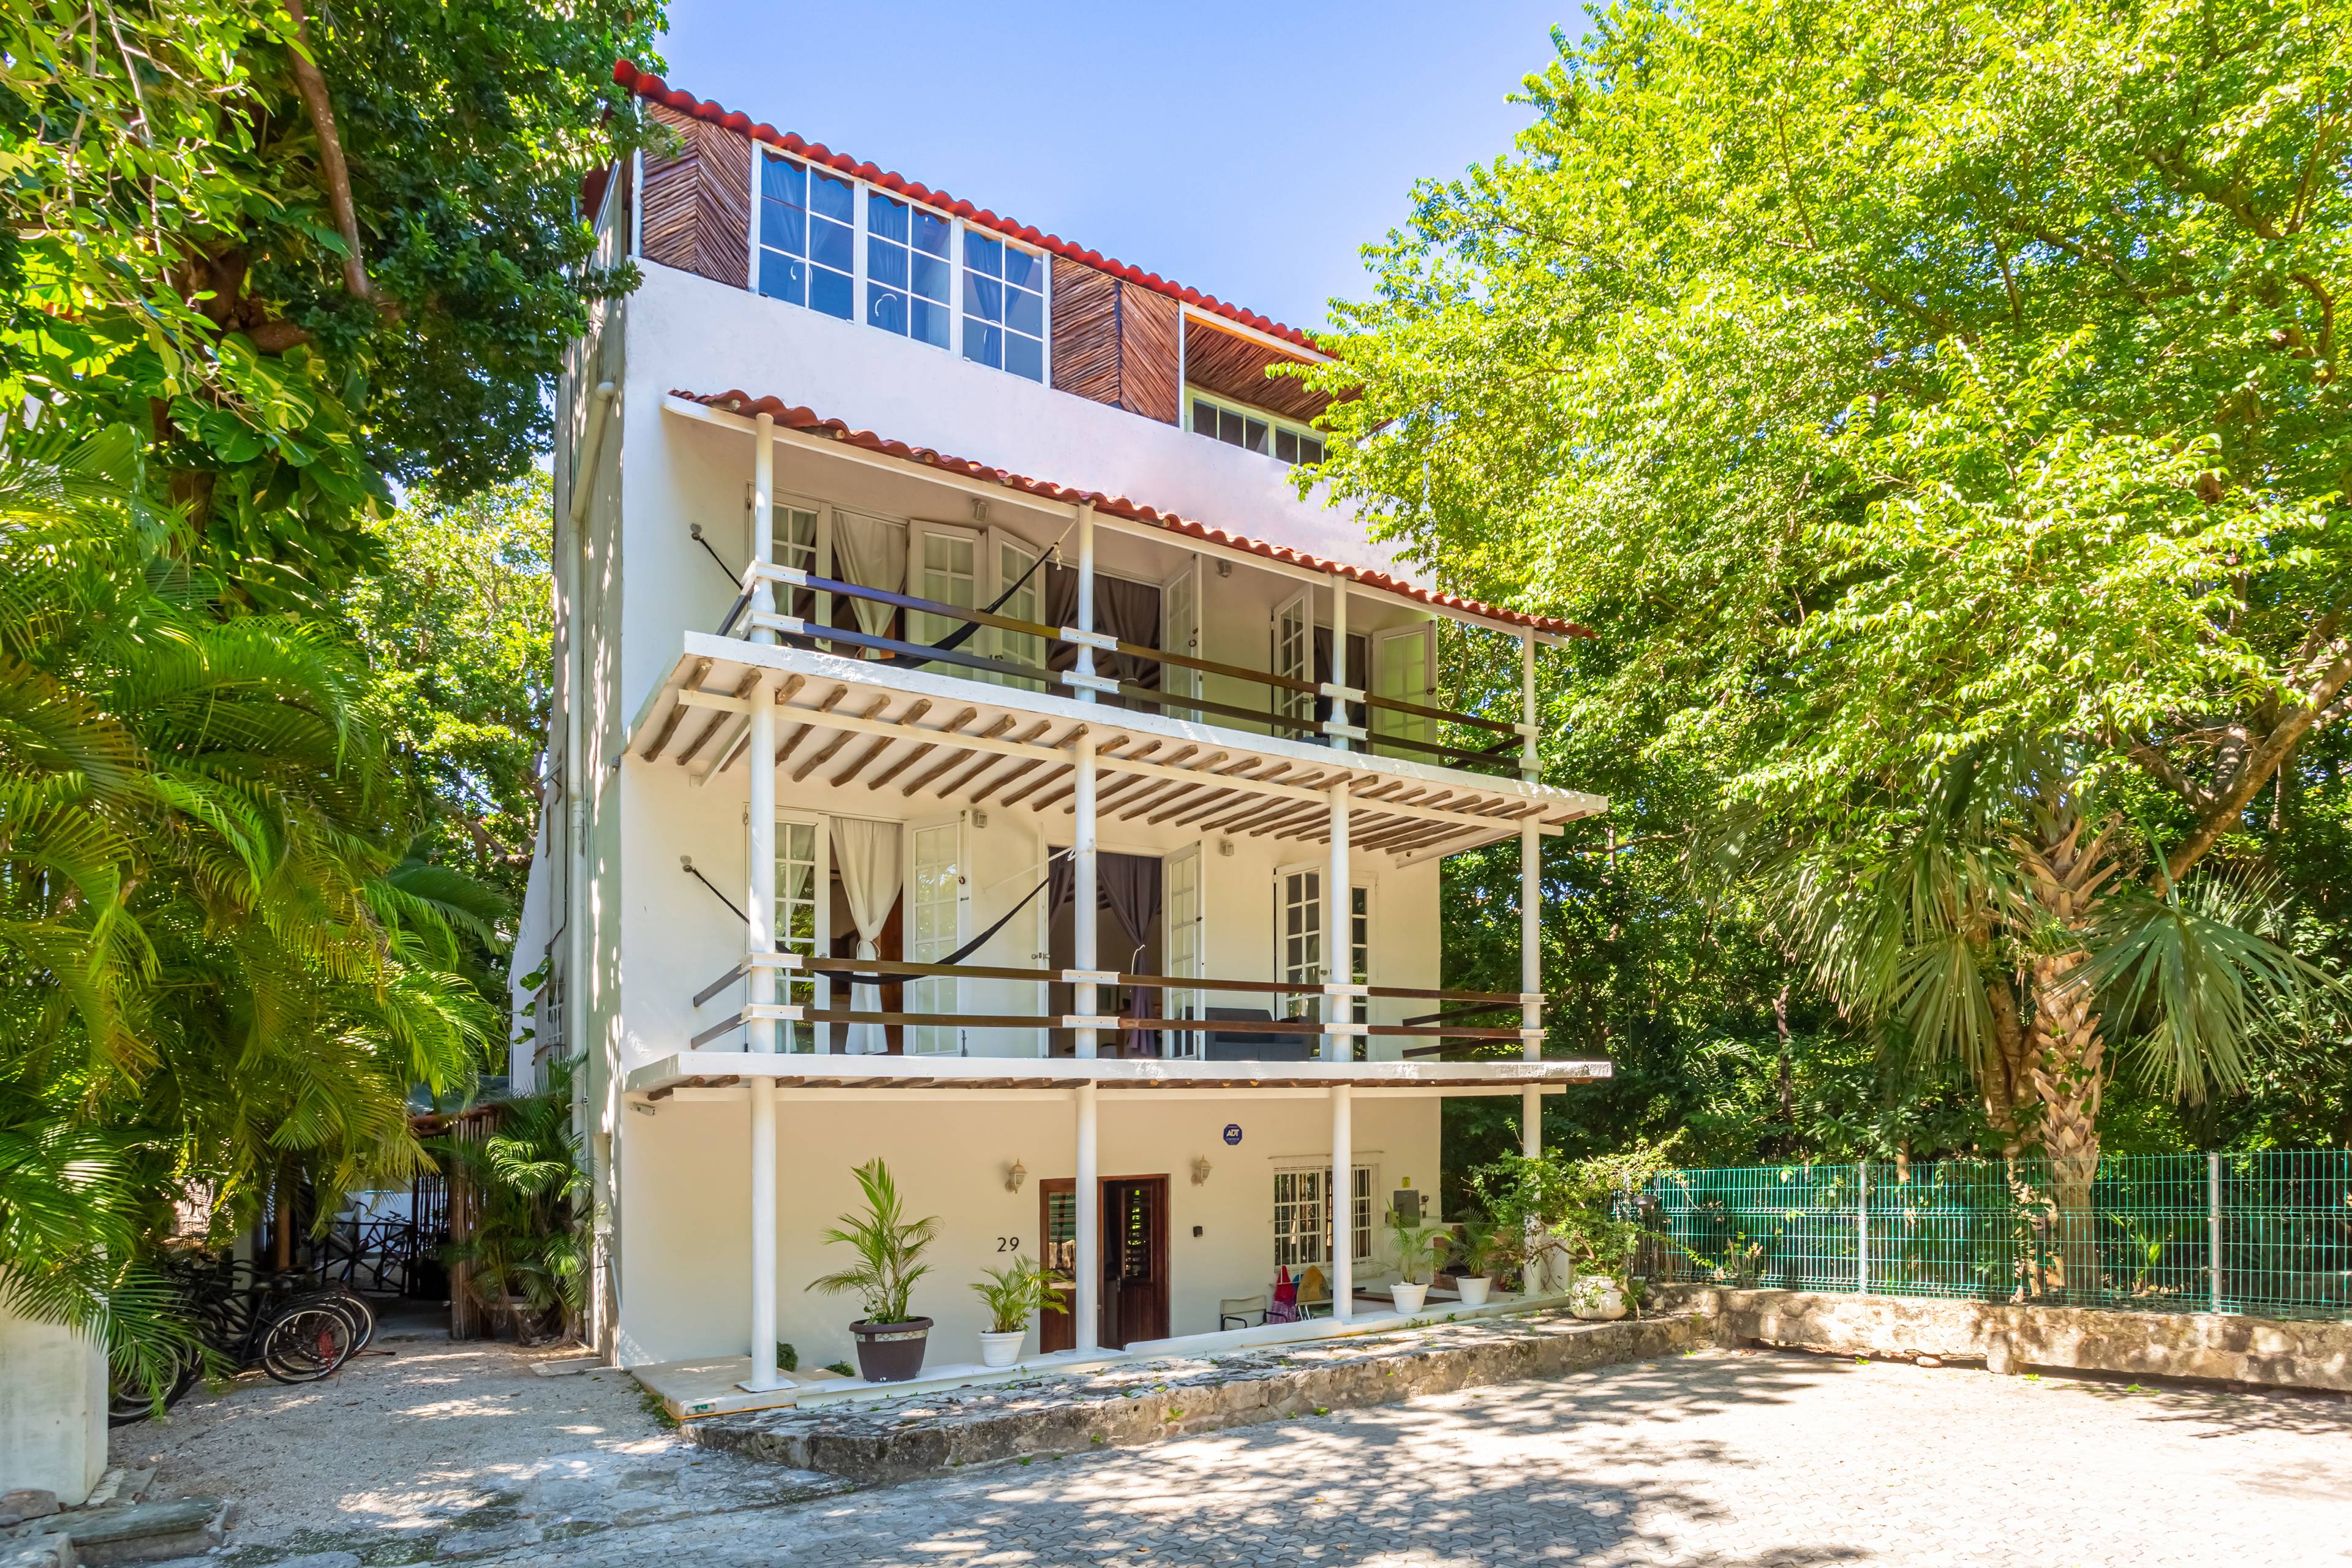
(458, 622)
(305, 254)
(216, 967)
(1938, 413)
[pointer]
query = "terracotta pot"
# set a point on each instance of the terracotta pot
(1473, 1289)
(890, 1353)
(1001, 1349)
(1407, 1297)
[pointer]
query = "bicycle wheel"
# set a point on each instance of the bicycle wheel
(128, 1401)
(351, 1304)
(306, 1343)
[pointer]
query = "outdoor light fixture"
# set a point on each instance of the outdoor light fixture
(1199, 1170)
(1015, 1174)
(642, 1109)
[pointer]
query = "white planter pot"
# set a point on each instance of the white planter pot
(1002, 1350)
(1473, 1289)
(1596, 1299)
(1407, 1297)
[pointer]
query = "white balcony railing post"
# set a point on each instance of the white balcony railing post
(1338, 936)
(761, 936)
(1340, 1202)
(1083, 881)
(1085, 667)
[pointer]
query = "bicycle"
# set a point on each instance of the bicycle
(294, 1335)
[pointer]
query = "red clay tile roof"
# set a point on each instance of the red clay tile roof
(794, 417)
(650, 86)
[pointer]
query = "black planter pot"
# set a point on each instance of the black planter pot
(890, 1353)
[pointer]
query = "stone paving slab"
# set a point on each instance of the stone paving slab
(1761, 1460)
(881, 1442)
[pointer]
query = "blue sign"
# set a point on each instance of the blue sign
(1232, 1131)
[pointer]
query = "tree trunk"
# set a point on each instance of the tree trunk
(2066, 1062)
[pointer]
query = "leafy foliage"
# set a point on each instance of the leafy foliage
(1891, 389)
(529, 1238)
(889, 1248)
(1014, 1294)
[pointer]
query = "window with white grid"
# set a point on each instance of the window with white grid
(1302, 1225)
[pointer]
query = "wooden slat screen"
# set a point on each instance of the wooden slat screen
(699, 204)
(1147, 353)
(1114, 343)
(1227, 363)
(1085, 331)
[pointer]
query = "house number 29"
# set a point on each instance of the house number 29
(1008, 1244)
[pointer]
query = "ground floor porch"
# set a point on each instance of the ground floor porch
(1168, 1199)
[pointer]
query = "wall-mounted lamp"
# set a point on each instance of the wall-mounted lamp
(979, 818)
(979, 509)
(1015, 1174)
(1199, 1170)
(1225, 568)
(1225, 848)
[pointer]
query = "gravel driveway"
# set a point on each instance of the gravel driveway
(1725, 1460)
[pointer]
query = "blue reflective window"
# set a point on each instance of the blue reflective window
(906, 270)
(1004, 306)
(805, 241)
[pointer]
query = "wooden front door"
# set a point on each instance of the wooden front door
(1135, 1261)
(1057, 1237)
(1133, 1304)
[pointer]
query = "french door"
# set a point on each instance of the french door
(944, 565)
(936, 903)
(1404, 667)
(803, 917)
(1010, 558)
(1182, 925)
(1180, 633)
(1294, 659)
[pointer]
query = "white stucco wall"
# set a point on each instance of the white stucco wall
(671, 1187)
(52, 1409)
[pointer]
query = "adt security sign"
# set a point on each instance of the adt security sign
(1232, 1133)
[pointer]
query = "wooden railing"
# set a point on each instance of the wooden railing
(1443, 1028)
(740, 619)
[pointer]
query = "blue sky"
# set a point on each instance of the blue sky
(1247, 151)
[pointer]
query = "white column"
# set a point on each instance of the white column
(1341, 1199)
(1086, 1332)
(1082, 878)
(1086, 596)
(1337, 922)
(1530, 978)
(1339, 655)
(1530, 764)
(760, 932)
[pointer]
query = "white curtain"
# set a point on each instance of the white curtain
(871, 554)
(867, 855)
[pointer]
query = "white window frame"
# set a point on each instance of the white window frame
(1186, 1042)
(1317, 1169)
(870, 195)
(816, 990)
(1016, 647)
(923, 625)
(1387, 722)
(863, 191)
(1294, 1004)
(1287, 704)
(1274, 423)
(936, 1039)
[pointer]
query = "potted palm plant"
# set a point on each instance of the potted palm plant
(1014, 1294)
(1473, 1253)
(889, 1248)
(1416, 1250)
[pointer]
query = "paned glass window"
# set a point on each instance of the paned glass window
(1256, 432)
(806, 237)
(906, 269)
(1359, 948)
(796, 920)
(1004, 305)
(1302, 1221)
(1299, 928)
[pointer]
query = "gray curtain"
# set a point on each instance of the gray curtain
(1124, 610)
(1131, 886)
(1359, 666)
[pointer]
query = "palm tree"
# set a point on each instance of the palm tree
(214, 965)
(2014, 917)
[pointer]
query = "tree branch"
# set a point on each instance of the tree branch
(312, 85)
(2331, 672)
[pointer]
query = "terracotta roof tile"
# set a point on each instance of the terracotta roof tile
(793, 416)
(645, 85)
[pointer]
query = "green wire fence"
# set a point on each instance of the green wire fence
(2265, 1234)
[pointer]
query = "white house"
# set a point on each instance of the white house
(1002, 827)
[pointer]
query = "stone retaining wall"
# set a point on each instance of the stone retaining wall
(2281, 1352)
(902, 1439)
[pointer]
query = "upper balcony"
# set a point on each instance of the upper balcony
(1227, 634)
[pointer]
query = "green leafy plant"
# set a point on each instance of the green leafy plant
(529, 1248)
(1417, 1247)
(1476, 1248)
(889, 1248)
(1016, 1293)
(1575, 1210)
